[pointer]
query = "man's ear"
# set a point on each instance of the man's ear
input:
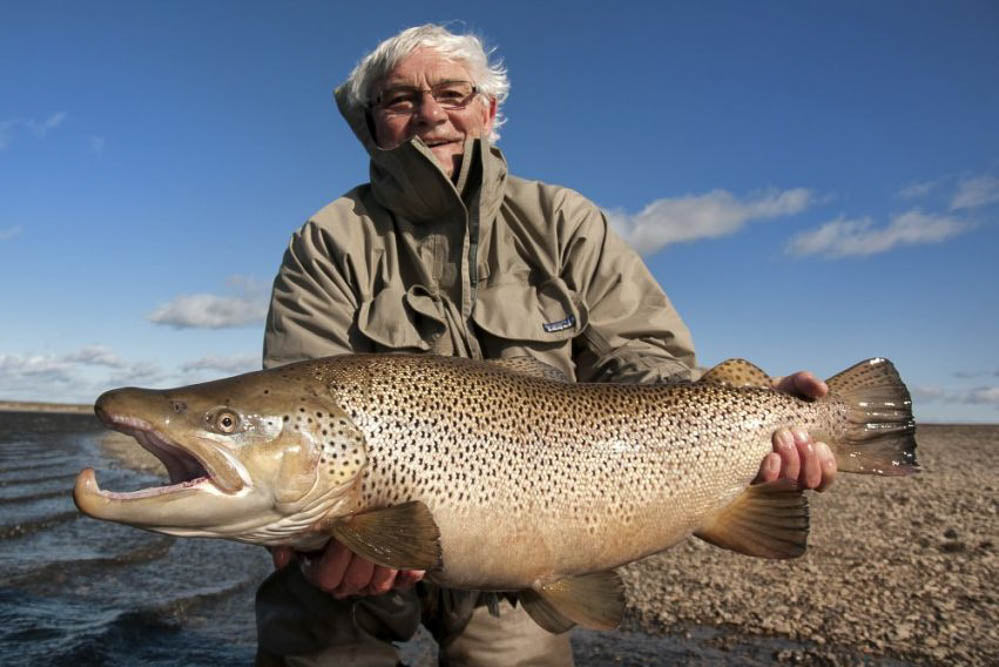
(490, 116)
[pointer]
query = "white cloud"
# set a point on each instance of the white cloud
(10, 232)
(717, 213)
(208, 311)
(917, 190)
(97, 145)
(95, 355)
(843, 238)
(6, 129)
(39, 128)
(982, 395)
(975, 192)
(234, 365)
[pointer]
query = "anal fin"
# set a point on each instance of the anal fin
(594, 600)
(766, 520)
(400, 537)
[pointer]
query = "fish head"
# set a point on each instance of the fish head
(259, 458)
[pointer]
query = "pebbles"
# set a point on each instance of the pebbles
(904, 568)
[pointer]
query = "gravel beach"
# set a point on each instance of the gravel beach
(898, 570)
(905, 568)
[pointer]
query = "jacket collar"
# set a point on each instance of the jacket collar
(408, 181)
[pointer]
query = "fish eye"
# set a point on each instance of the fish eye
(226, 421)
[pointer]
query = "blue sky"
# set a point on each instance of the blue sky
(812, 183)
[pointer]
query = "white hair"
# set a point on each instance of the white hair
(489, 78)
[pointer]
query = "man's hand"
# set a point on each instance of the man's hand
(796, 456)
(341, 572)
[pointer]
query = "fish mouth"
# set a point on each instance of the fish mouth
(196, 468)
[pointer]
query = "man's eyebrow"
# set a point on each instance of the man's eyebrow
(408, 86)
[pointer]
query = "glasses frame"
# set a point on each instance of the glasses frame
(376, 102)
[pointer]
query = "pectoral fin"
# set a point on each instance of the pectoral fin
(766, 520)
(593, 600)
(737, 373)
(400, 537)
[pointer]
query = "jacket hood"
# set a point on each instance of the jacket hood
(408, 180)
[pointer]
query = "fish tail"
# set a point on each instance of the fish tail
(879, 435)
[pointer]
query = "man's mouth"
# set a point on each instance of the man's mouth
(434, 143)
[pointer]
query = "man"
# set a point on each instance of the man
(445, 252)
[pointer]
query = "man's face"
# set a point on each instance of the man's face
(443, 130)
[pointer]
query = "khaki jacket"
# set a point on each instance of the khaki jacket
(493, 266)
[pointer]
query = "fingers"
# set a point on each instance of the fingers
(827, 462)
(810, 474)
(282, 556)
(327, 573)
(343, 573)
(810, 464)
(802, 383)
(356, 578)
(382, 580)
(769, 469)
(408, 578)
(784, 446)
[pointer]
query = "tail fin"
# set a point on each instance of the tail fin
(880, 436)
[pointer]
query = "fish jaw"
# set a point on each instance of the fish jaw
(209, 487)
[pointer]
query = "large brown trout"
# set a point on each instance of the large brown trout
(493, 476)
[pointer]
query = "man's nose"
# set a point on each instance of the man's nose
(429, 111)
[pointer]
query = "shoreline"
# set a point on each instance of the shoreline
(43, 406)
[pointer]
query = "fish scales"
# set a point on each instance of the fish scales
(495, 453)
(494, 476)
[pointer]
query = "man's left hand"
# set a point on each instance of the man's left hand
(796, 456)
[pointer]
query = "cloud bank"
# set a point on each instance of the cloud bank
(712, 215)
(861, 237)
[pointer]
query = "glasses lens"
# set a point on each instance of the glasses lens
(449, 95)
(453, 95)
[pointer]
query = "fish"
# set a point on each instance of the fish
(499, 476)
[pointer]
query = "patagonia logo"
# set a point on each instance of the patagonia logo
(561, 325)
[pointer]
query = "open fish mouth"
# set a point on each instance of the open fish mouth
(185, 469)
(197, 468)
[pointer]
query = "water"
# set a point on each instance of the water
(78, 591)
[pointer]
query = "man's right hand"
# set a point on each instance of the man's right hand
(341, 572)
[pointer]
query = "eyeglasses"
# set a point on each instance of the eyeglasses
(401, 100)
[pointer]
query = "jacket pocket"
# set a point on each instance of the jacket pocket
(546, 313)
(400, 320)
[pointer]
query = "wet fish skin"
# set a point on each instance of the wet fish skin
(526, 481)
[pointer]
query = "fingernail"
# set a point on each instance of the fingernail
(784, 438)
(800, 436)
(824, 451)
(773, 463)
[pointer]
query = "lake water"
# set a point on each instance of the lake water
(76, 591)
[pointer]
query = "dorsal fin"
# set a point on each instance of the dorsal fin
(531, 366)
(594, 600)
(737, 373)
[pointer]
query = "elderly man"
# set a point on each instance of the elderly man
(445, 252)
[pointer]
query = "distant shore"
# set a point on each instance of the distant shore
(39, 406)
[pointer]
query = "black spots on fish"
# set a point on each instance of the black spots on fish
(266, 392)
(286, 418)
(178, 406)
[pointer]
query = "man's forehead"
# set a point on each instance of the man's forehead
(425, 68)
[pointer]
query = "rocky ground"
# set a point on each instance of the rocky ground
(898, 570)
(904, 568)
